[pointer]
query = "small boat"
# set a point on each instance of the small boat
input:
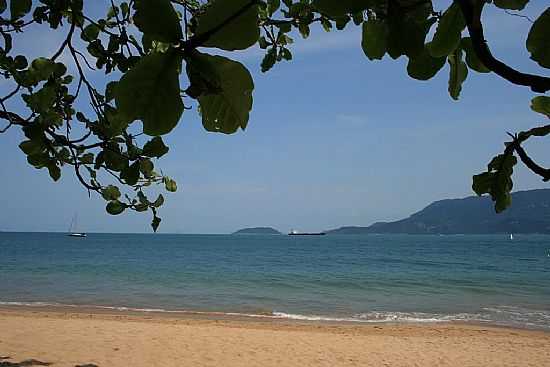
(511, 236)
(73, 227)
(77, 234)
(296, 233)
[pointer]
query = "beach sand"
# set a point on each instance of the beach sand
(69, 338)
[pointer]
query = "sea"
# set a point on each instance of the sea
(354, 278)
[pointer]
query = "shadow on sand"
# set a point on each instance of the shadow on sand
(33, 362)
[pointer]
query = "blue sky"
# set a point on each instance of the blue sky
(333, 139)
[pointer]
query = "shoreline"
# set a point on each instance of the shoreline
(215, 317)
(259, 316)
(109, 338)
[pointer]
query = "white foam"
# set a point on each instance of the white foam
(500, 315)
(386, 317)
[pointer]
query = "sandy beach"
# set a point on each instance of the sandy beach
(67, 338)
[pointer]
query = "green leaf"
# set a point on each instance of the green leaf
(541, 104)
(286, 54)
(158, 203)
(141, 207)
(114, 122)
(241, 31)
(112, 12)
(155, 223)
(155, 148)
(497, 181)
(424, 66)
(110, 91)
(538, 41)
(170, 184)
(224, 106)
(481, 184)
(125, 8)
(304, 30)
(406, 36)
(142, 198)
(327, 25)
(8, 42)
(511, 4)
(110, 193)
(87, 158)
(113, 158)
(457, 73)
(42, 100)
(42, 68)
(20, 62)
(269, 59)
(158, 20)
(54, 171)
(375, 39)
(151, 92)
(472, 60)
(38, 160)
(342, 21)
(358, 18)
(115, 207)
(31, 147)
(447, 34)
(19, 8)
(131, 173)
(90, 33)
(337, 8)
(146, 167)
(273, 6)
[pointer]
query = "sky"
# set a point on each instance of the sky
(333, 139)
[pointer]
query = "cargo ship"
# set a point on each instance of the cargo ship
(296, 233)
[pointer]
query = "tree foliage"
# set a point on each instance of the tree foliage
(110, 134)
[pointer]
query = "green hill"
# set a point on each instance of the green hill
(257, 230)
(529, 213)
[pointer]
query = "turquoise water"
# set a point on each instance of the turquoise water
(372, 278)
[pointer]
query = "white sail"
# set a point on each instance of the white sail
(73, 228)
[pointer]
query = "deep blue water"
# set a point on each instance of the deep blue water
(363, 278)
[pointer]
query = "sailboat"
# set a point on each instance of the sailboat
(72, 228)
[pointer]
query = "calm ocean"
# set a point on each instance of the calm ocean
(371, 278)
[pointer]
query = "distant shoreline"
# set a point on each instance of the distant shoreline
(328, 233)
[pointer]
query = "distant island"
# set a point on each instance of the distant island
(529, 213)
(258, 230)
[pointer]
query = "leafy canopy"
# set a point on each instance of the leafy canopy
(158, 58)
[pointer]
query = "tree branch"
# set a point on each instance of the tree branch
(529, 163)
(515, 145)
(65, 42)
(472, 9)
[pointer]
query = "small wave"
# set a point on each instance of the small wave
(498, 315)
(374, 316)
(387, 317)
(381, 316)
(292, 316)
(136, 309)
(36, 304)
